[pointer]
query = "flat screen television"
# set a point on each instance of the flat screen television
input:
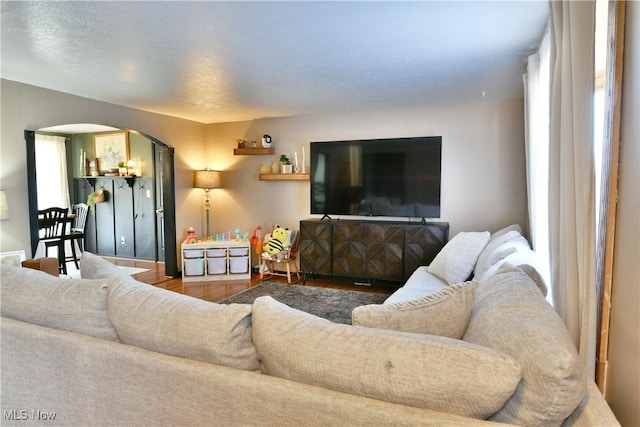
(397, 177)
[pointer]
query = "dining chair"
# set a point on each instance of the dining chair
(53, 222)
(76, 233)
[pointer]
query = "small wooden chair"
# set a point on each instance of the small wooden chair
(76, 233)
(53, 223)
(287, 257)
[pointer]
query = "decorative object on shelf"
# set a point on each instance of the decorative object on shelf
(191, 237)
(254, 144)
(207, 180)
(275, 166)
(122, 168)
(4, 206)
(131, 168)
(265, 169)
(266, 141)
(242, 143)
(97, 196)
(111, 148)
(304, 161)
(83, 163)
(92, 168)
(286, 166)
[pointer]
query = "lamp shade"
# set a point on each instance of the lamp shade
(207, 179)
(4, 206)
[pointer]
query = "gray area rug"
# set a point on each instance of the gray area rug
(333, 304)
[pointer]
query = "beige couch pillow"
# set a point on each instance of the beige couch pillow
(445, 313)
(497, 249)
(75, 305)
(411, 369)
(170, 323)
(94, 267)
(454, 263)
(511, 315)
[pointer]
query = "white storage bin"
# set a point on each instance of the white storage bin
(194, 267)
(238, 251)
(239, 264)
(193, 253)
(216, 265)
(220, 252)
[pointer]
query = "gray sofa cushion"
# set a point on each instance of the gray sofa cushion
(445, 313)
(497, 249)
(412, 369)
(179, 325)
(75, 305)
(511, 315)
(455, 262)
(94, 267)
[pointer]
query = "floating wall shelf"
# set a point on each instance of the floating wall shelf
(253, 151)
(284, 177)
(92, 179)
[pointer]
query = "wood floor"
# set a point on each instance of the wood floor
(218, 290)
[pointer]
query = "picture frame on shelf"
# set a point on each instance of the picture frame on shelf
(92, 166)
(111, 148)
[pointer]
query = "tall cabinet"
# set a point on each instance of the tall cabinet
(369, 250)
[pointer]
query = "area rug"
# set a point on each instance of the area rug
(333, 304)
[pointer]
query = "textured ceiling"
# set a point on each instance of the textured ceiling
(228, 61)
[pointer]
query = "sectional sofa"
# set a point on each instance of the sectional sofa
(107, 350)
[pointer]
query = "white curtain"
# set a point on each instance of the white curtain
(571, 173)
(51, 172)
(536, 94)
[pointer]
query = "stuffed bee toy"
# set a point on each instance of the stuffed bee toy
(277, 242)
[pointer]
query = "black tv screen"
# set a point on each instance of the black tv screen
(397, 177)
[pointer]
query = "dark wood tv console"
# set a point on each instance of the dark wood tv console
(368, 250)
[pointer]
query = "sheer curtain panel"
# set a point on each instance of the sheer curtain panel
(572, 174)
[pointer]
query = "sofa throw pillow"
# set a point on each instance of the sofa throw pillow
(411, 369)
(526, 260)
(445, 313)
(94, 267)
(171, 323)
(497, 249)
(511, 315)
(75, 305)
(455, 262)
(512, 227)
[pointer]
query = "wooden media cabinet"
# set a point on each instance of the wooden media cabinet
(368, 250)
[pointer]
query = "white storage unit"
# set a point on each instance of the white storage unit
(215, 260)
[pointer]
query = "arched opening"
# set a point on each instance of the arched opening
(122, 227)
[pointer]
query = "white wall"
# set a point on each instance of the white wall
(483, 163)
(25, 107)
(623, 385)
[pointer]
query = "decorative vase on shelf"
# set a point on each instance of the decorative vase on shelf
(286, 168)
(275, 166)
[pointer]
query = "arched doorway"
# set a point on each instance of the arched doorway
(155, 239)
